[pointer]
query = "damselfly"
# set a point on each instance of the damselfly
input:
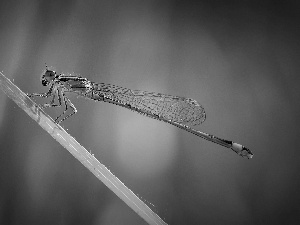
(178, 111)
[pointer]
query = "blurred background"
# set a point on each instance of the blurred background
(239, 59)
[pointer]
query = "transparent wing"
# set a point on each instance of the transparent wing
(182, 110)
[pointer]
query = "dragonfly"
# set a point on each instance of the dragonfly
(184, 113)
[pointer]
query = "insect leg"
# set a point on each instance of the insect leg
(53, 91)
(67, 103)
(57, 93)
(43, 95)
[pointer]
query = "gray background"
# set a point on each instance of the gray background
(239, 59)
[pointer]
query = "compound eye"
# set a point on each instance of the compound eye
(50, 73)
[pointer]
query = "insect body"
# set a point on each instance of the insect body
(184, 113)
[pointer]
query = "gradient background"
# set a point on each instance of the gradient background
(239, 59)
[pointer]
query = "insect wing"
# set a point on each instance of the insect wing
(185, 111)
